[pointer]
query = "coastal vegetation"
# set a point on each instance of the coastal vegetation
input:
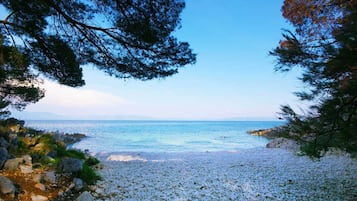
(41, 163)
(54, 39)
(323, 45)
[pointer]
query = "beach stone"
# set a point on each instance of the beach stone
(13, 164)
(38, 198)
(3, 156)
(70, 165)
(85, 196)
(78, 184)
(40, 186)
(284, 143)
(6, 185)
(50, 176)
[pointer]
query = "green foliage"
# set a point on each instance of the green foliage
(324, 46)
(20, 149)
(75, 154)
(88, 175)
(90, 161)
(63, 152)
(132, 40)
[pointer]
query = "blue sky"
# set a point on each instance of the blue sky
(233, 77)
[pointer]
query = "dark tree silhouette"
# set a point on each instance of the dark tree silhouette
(324, 46)
(125, 39)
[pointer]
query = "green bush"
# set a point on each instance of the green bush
(63, 152)
(91, 161)
(88, 175)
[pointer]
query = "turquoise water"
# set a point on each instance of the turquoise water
(161, 136)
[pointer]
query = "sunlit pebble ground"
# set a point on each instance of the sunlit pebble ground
(253, 174)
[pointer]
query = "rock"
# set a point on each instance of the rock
(284, 143)
(70, 165)
(69, 138)
(78, 184)
(3, 156)
(13, 138)
(40, 186)
(50, 177)
(85, 196)
(38, 198)
(269, 133)
(4, 143)
(13, 164)
(26, 169)
(6, 185)
(37, 178)
(71, 186)
(14, 122)
(27, 159)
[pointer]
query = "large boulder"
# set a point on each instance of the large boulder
(13, 164)
(70, 165)
(4, 143)
(3, 156)
(6, 185)
(284, 143)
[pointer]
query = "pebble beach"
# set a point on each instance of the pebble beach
(247, 174)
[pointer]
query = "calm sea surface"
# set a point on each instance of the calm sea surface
(160, 136)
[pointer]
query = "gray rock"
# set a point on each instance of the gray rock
(69, 138)
(50, 177)
(70, 165)
(6, 185)
(3, 156)
(13, 164)
(85, 196)
(78, 184)
(284, 143)
(3, 142)
(38, 198)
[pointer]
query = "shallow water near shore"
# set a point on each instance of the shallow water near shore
(160, 136)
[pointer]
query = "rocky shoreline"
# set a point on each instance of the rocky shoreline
(38, 166)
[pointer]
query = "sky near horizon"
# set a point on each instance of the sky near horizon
(233, 77)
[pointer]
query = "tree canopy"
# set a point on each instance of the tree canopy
(125, 39)
(324, 46)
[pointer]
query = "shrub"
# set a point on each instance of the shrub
(88, 175)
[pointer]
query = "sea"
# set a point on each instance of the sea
(159, 136)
